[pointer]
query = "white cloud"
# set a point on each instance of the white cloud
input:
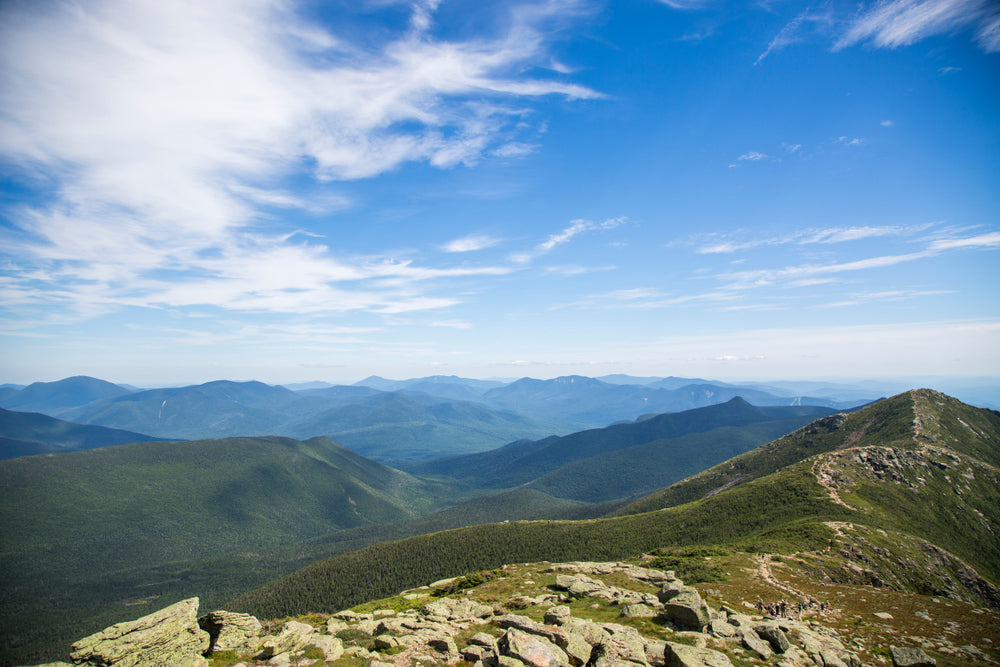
(685, 4)
(895, 23)
(516, 149)
(752, 156)
(886, 123)
(471, 243)
(162, 125)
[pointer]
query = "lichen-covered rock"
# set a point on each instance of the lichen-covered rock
(721, 628)
(637, 610)
(231, 631)
(531, 649)
(170, 636)
(557, 615)
(773, 635)
(681, 655)
(457, 610)
(751, 640)
(294, 637)
(687, 610)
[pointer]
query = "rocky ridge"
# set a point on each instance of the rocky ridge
(580, 614)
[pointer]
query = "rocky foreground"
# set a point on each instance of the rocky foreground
(593, 614)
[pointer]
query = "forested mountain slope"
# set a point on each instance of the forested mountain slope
(527, 461)
(30, 433)
(916, 469)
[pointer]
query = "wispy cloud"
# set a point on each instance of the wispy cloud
(895, 23)
(762, 277)
(162, 125)
(575, 228)
(810, 236)
(791, 33)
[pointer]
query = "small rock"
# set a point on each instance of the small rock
(638, 610)
(903, 656)
(532, 649)
(884, 615)
(557, 615)
(681, 655)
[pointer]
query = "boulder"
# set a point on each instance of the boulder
(457, 610)
(170, 636)
(773, 635)
(687, 610)
(903, 656)
(332, 647)
(751, 640)
(294, 637)
(621, 643)
(231, 631)
(557, 615)
(681, 655)
(445, 647)
(531, 649)
(722, 628)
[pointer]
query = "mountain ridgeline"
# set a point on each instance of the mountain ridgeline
(395, 422)
(602, 465)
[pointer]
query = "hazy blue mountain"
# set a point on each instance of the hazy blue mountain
(399, 426)
(678, 382)
(589, 402)
(442, 386)
(383, 425)
(342, 394)
(30, 433)
(56, 398)
(214, 409)
(619, 378)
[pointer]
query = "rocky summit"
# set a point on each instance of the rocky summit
(542, 614)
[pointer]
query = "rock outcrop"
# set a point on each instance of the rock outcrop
(170, 636)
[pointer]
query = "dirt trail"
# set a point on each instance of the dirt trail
(764, 570)
(824, 475)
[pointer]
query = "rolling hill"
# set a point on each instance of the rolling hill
(30, 433)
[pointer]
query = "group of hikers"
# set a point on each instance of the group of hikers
(780, 609)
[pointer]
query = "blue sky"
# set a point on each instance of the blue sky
(291, 191)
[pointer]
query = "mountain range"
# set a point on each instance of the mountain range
(395, 422)
(89, 533)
